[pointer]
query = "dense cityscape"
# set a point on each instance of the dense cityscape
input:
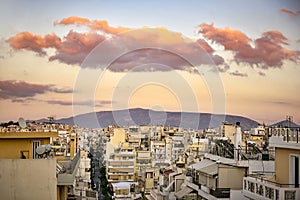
(59, 161)
(149, 100)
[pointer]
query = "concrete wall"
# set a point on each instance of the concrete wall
(28, 179)
(229, 131)
(231, 177)
(282, 164)
(149, 183)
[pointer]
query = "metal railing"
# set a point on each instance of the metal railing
(261, 188)
(290, 134)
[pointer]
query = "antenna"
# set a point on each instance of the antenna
(44, 150)
(22, 122)
(48, 147)
(51, 118)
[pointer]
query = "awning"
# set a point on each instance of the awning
(183, 192)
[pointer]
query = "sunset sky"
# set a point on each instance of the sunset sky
(60, 58)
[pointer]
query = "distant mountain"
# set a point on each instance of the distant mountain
(138, 116)
(286, 123)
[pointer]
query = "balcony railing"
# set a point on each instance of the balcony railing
(291, 134)
(259, 188)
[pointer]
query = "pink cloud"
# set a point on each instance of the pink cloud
(75, 47)
(34, 42)
(101, 25)
(16, 90)
(268, 50)
(290, 12)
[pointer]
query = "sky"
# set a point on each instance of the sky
(63, 58)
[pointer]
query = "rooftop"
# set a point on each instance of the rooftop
(17, 135)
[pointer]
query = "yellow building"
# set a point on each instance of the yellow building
(14, 144)
(27, 177)
(118, 137)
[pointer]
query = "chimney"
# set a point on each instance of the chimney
(237, 141)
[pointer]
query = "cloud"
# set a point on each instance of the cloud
(224, 68)
(75, 47)
(267, 51)
(166, 43)
(264, 52)
(18, 90)
(282, 102)
(79, 103)
(34, 42)
(237, 73)
(290, 12)
(61, 90)
(205, 46)
(261, 74)
(23, 100)
(101, 25)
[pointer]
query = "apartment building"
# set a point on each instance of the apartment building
(284, 183)
(25, 172)
(159, 154)
(120, 165)
(144, 170)
(15, 145)
(83, 178)
(228, 130)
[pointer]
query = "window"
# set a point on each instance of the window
(149, 175)
(24, 154)
(294, 170)
(35, 144)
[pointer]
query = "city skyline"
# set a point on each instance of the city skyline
(252, 48)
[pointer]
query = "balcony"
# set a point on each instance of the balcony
(119, 180)
(121, 166)
(290, 135)
(259, 188)
(67, 176)
(120, 173)
(120, 160)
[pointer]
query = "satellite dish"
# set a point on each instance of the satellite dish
(22, 122)
(41, 150)
(48, 147)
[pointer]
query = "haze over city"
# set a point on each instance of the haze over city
(251, 48)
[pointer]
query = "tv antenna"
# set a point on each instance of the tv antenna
(22, 122)
(51, 118)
